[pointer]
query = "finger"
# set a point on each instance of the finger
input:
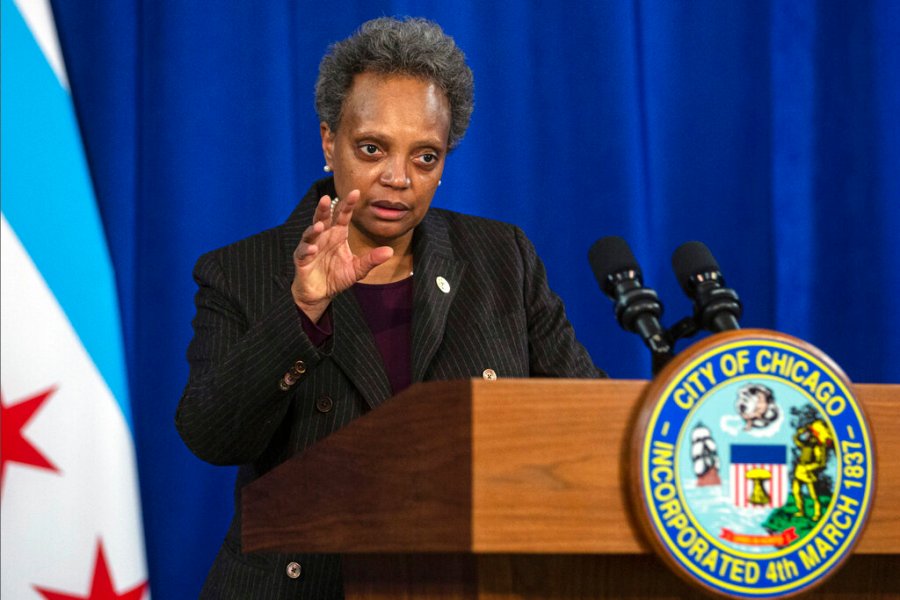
(345, 209)
(311, 233)
(323, 210)
(305, 252)
(372, 259)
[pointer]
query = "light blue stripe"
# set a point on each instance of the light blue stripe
(49, 201)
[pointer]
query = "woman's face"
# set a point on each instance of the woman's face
(390, 145)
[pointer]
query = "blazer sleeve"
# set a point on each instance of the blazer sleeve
(553, 349)
(233, 401)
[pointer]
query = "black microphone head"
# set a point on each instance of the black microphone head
(609, 256)
(716, 307)
(691, 259)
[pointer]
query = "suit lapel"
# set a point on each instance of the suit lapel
(433, 262)
(355, 351)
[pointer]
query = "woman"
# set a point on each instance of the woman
(363, 290)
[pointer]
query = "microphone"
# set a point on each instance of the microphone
(637, 308)
(716, 307)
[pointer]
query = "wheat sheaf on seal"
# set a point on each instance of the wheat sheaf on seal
(754, 465)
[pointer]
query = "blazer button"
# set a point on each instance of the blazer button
(489, 374)
(324, 404)
(299, 368)
(293, 570)
(287, 381)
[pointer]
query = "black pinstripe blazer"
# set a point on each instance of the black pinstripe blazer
(499, 314)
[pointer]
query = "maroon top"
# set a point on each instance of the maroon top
(387, 308)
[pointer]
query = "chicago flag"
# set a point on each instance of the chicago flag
(71, 521)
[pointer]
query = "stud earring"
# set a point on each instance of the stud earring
(327, 169)
(439, 183)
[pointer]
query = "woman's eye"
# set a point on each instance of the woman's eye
(428, 159)
(370, 149)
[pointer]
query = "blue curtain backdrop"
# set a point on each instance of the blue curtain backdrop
(767, 130)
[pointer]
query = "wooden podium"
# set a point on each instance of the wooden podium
(512, 489)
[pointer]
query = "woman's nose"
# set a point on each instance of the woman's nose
(395, 175)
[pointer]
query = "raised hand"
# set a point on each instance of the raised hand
(324, 265)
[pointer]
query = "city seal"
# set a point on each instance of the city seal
(754, 466)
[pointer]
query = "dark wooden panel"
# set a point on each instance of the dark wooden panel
(644, 577)
(410, 577)
(396, 479)
(573, 577)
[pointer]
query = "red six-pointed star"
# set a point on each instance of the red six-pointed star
(14, 448)
(101, 586)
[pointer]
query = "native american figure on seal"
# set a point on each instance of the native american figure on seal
(814, 440)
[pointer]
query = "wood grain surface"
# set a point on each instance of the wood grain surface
(556, 477)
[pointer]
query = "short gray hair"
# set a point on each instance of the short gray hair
(411, 46)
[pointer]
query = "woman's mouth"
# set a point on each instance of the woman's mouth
(389, 211)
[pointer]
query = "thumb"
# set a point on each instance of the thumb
(372, 259)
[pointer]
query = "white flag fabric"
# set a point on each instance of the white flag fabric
(71, 521)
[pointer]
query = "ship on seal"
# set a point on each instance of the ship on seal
(705, 456)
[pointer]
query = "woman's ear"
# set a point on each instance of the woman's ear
(327, 143)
